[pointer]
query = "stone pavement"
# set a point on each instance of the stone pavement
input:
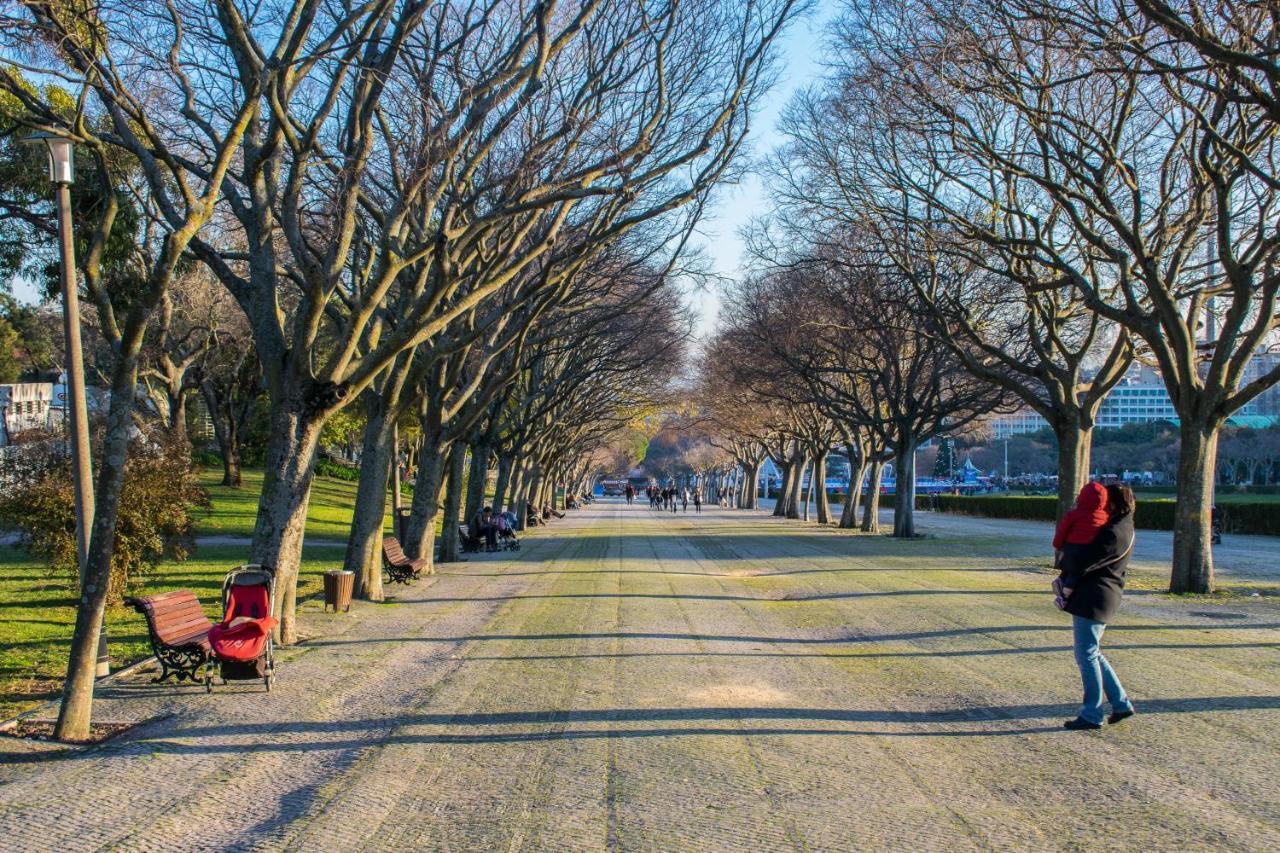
(633, 680)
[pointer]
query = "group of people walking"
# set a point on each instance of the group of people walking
(676, 499)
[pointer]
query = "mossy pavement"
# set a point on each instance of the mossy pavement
(633, 680)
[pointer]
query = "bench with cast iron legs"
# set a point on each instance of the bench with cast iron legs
(179, 632)
(398, 567)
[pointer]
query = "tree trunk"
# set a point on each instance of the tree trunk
(501, 484)
(784, 489)
(365, 540)
(1074, 445)
(857, 472)
(871, 509)
(424, 509)
(453, 503)
(477, 480)
(231, 466)
(178, 415)
(226, 431)
(519, 476)
(76, 711)
(808, 491)
(751, 486)
(1192, 550)
(797, 480)
(530, 484)
(282, 506)
(820, 482)
(904, 501)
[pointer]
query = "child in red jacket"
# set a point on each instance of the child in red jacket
(1077, 530)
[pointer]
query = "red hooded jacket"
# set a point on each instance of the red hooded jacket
(1083, 521)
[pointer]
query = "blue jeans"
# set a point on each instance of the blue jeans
(1095, 672)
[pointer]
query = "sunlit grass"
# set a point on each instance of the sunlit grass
(37, 611)
(38, 614)
(234, 510)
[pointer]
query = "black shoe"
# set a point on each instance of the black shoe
(1081, 724)
(1121, 716)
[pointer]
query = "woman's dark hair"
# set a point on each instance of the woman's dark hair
(1120, 500)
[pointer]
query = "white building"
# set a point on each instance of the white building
(1141, 397)
(1018, 423)
(24, 406)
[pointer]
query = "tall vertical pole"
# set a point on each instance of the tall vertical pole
(77, 408)
(1006, 463)
(396, 524)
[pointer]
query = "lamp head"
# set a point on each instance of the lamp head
(62, 159)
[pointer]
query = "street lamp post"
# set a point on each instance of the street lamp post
(61, 153)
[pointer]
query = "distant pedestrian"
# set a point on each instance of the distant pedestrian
(1090, 589)
(684, 499)
(697, 500)
(630, 492)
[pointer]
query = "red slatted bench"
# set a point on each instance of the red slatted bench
(179, 632)
(399, 568)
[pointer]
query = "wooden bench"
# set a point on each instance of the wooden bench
(179, 632)
(398, 567)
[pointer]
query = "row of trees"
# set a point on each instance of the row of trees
(989, 203)
(430, 210)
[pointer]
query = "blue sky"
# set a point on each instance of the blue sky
(737, 205)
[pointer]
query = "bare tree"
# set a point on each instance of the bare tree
(1127, 161)
(868, 351)
(170, 196)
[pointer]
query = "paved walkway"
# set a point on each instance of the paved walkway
(637, 681)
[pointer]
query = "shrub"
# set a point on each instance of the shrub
(155, 518)
(206, 458)
(336, 470)
(1244, 517)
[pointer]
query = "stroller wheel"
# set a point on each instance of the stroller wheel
(266, 679)
(208, 683)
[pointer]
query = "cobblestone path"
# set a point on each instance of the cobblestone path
(638, 681)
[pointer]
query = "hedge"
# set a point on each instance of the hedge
(1256, 518)
(338, 471)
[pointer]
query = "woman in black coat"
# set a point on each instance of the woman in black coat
(1093, 587)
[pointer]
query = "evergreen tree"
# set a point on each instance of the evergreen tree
(944, 465)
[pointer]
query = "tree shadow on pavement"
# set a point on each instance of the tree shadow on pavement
(556, 725)
(834, 638)
(930, 653)
(675, 596)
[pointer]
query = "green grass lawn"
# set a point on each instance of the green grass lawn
(37, 612)
(234, 510)
(1224, 495)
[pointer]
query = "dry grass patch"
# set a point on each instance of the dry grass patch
(741, 695)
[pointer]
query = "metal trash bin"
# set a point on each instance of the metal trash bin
(338, 586)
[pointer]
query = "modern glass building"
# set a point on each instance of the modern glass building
(1142, 398)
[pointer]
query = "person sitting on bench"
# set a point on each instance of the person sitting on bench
(482, 526)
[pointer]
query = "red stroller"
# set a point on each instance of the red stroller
(241, 644)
